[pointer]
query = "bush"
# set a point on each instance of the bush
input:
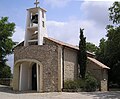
(80, 83)
(70, 84)
(90, 83)
(73, 86)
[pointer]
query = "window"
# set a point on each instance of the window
(42, 14)
(43, 23)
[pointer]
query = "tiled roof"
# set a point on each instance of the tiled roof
(66, 44)
(62, 43)
(98, 63)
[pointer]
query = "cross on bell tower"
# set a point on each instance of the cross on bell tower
(36, 3)
(36, 28)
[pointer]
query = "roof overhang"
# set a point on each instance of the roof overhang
(98, 63)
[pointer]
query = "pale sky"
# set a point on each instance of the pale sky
(64, 18)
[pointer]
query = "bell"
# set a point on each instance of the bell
(35, 18)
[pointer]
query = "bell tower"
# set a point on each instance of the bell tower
(35, 26)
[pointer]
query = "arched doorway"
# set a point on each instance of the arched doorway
(24, 69)
(34, 77)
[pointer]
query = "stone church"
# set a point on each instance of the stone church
(43, 64)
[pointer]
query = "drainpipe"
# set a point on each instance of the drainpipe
(63, 64)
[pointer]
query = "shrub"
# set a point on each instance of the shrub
(80, 83)
(73, 86)
(90, 83)
(70, 84)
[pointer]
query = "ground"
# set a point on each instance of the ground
(7, 93)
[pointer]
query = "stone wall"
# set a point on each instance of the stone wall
(48, 56)
(60, 61)
(69, 61)
(94, 69)
(99, 73)
(70, 64)
(49, 42)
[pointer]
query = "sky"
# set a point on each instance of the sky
(64, 19)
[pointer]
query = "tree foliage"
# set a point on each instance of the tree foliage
(82, 55)
(91, 47)
(101, 51)
(109, 49)
(6, 43)
(113, 43)
(114, 12)
(113, 52)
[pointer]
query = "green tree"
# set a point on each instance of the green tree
(101, 51)
(91, 47)
(108, 51)
(114, 12)
(113, 53)
(82, 55)
(6, 72)
(113, 44)
(6, 44)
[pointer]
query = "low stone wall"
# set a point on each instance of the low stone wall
(5, 81)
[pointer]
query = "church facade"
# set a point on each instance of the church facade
(43, 64)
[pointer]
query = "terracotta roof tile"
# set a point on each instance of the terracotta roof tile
(62, 43)
(98, 63)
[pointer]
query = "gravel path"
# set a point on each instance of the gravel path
(7, 93)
